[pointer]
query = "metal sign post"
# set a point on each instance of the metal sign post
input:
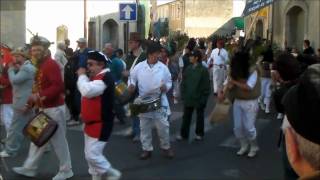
(127, 13)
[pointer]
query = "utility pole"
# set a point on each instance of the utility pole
(85, 18)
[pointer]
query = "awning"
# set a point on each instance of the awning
(255, 5)
(238, 22)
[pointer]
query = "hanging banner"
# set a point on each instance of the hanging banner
(255, 5)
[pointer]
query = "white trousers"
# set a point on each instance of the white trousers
(266, 91)
(58, 141)
(159, 119)
(93, 150)
(176, 89)
(6, 112)
(244, 117)
(219, 76)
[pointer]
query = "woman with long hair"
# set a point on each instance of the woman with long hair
(244, 86)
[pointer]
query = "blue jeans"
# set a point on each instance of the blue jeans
(136, 126)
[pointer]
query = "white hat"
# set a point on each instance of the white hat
(81, 40)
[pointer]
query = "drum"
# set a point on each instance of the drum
(145, 104)
(121, 92)
(40, 129)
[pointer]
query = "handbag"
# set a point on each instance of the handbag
(40, 128)
(220, 112)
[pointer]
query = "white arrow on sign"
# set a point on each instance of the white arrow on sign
(127, 11)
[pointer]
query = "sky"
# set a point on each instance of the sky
(43, 17)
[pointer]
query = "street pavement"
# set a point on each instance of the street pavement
(212, 158)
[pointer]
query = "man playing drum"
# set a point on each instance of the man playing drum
(153, 79)
(48, 96)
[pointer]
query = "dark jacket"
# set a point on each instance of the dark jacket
(195, 86)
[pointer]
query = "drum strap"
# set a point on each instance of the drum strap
(135, 60)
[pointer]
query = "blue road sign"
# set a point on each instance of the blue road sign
(128, 11)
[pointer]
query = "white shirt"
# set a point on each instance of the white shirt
(60, 57)
(90, 89)
(252, 80)
(219, 58)
(150, 79)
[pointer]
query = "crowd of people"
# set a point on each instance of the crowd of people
(92, 87)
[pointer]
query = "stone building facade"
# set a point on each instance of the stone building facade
(13, 22)
(108, 29)
(292, 21)
(198, 18)
(295, 21)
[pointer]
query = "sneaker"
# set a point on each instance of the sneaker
(254, 148)
(63, 175)
(280, 116)
(262, 107)
(4, 154)
(24, 171)
(199, 138)
(96, 177)
(73, 123)
(180, 138)
(113, 174)
(252, 153)
(244, 147)
(175, 101)
(267, 111)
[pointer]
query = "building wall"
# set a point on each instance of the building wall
(264, 15)
(99, 30)
(311, 22)
(174, 11)
(202, 18)
(12, 22)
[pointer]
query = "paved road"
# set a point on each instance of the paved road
(213, 158)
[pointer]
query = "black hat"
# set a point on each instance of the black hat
(196, 53)
(302, 104)
(153, 47)
(97, 56)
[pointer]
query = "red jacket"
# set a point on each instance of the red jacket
(51, 84)
(6, 92)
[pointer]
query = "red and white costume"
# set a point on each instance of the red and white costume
(96, 113)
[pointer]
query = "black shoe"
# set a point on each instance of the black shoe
(145, 155)
(168, 153)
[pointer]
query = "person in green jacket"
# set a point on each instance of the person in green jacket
(195, 89)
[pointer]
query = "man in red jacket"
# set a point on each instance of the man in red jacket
(97, 92)
(6, 111)
(48, 96)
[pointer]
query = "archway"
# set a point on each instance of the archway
(111, 33)
(259, 29)
(295, 26)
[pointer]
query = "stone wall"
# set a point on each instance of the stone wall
(204, 17)
(13, 22)
(118, 41)
(311, 22)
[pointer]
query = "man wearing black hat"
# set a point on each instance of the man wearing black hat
(153, 79)
(97, 92)
(302, 125)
